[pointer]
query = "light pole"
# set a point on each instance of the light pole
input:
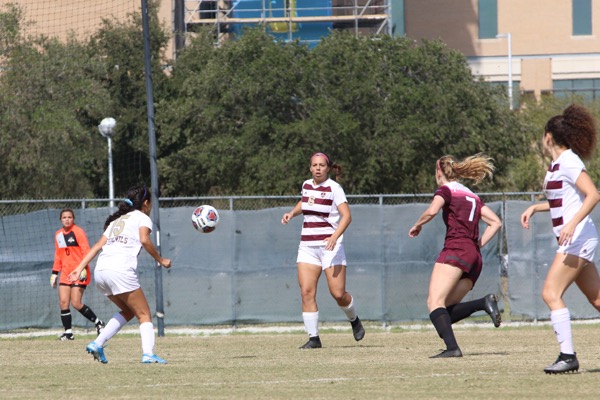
(107, 128)
(510, 83)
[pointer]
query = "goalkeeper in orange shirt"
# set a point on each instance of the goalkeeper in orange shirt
(71, 245)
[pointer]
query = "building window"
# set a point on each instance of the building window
(398, 26)
(588, 89)
(582, 17)
(488, 18)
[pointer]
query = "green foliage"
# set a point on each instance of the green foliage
(53, 95)
(48, 98)
(527, 172)
(246, 118)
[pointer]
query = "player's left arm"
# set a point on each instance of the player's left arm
(84, 246)
(493, 225)
(83, 242)
(585, 184)
(345, 219)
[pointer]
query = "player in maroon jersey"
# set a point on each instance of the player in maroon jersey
(459, 263)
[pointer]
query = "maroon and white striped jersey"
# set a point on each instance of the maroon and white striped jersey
(461, 211)
(320, 210)
(563, 196)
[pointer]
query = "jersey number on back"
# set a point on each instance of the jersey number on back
(119, 226)
(473, 206)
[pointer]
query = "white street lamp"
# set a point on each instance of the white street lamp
(107, 129)
(510, 82)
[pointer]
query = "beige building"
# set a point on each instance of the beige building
(60, 18)
(553, 43)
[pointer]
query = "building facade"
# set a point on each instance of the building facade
(552, 44)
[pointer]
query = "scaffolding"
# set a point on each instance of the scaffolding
(285, 17)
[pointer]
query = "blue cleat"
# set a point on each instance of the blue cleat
(152, 359)
(97, 352)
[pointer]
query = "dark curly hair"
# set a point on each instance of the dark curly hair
(134, 199)
(574, 129)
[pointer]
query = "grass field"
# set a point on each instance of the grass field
(504, 363)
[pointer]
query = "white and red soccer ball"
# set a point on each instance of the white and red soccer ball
(205, 218)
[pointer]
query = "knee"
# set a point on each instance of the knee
(595, 302)
(308, 293)
(433, 303)
(78, 305)
(340, 296)
(550, 297)
(128, 315)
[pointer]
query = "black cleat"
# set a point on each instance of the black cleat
(357, 329)
(66, 336)
(491, 307)
(99, 326)
(448, 354)
(563, 364)
(313, 343)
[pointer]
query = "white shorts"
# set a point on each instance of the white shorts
(584, 245)
(111, 282)
(317, 255)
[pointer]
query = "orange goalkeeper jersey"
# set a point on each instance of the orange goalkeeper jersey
(70, 248)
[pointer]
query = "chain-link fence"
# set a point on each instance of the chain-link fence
(244, 272)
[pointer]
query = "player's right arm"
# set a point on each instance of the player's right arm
(297, 210)
(434, 208)
(74, 275)
(149, 247)
(56, 266)
(526, 216)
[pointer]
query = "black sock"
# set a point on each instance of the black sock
(460, 311)
(443, 325)
(65, 317)
(88, 313)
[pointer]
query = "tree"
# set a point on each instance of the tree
(53, 94)
(47, 102)
(527, 172)
(246, 118)
(120, 45)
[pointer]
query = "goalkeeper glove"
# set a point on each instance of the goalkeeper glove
(53, 279)
(83, 274)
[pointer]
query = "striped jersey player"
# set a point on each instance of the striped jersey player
(326, 217)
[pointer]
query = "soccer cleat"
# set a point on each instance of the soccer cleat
(357, 329)
(152, 359)
(448, 354)
(491, 307)
(99, 326)
(97, 352)
(313, 343)
(66, 336)
(563, 364)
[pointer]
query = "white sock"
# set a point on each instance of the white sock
(112, 327)
(561, 321)
(311, 323)
(350, 310)
(147, 333)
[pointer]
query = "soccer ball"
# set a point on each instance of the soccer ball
(205, 218)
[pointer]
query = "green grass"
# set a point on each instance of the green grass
(504, 363)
